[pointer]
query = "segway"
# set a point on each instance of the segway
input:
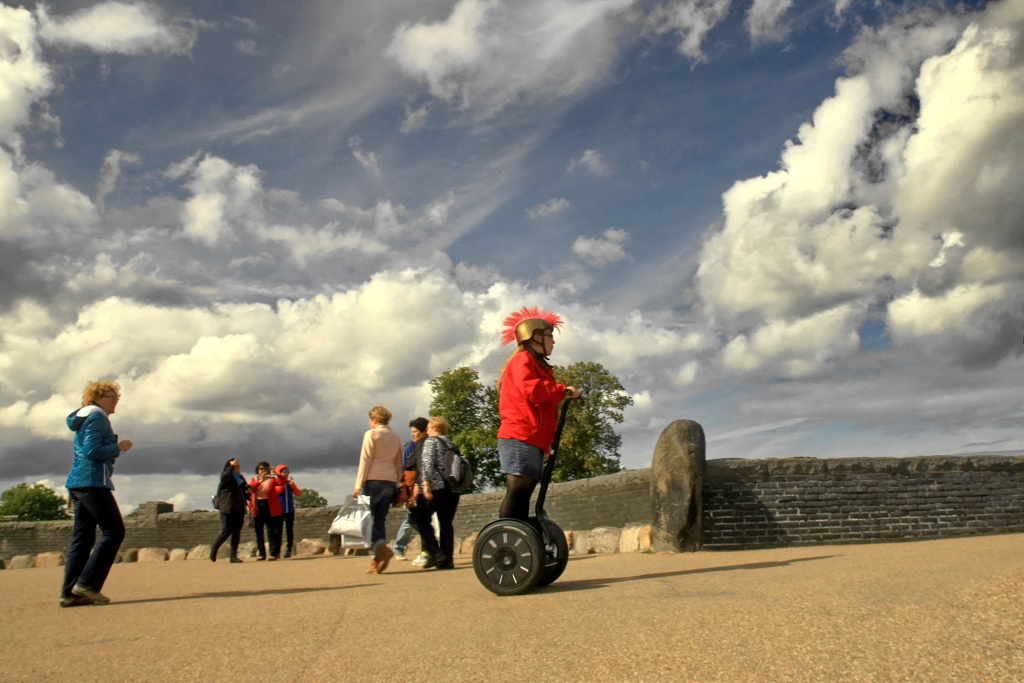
(512, 557)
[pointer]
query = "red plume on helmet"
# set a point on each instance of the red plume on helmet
(527, 313)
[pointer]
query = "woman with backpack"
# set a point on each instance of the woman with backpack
(231, 501)
(528, 398)
(433, 495)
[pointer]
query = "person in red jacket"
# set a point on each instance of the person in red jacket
(528, 398)
(266, 505)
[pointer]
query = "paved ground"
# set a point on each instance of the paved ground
(950, 610)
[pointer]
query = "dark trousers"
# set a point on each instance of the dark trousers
(230, 527)
(288, 521)
(381, 493)
(85, 565)
(445, 504)
(273, 527)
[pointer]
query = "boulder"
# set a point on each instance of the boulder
(22, 562)
(677, 483)
(201, 552)
(468, 544)
(579, 546)
(310, 546)
(629, 540)
(247, 549)
(646, 538)
(50, 560)
(603, 540)
(128, 555)
(153, 555)
(178, 555)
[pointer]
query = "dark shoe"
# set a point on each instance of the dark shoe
(446, 564)
(75, 601)
(94, 596)
(235, 560)
(261, 559)
(288, 554)
(431, 561)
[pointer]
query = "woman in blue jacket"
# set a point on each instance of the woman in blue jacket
(91, 494)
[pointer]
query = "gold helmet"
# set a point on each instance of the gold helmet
(524, 323)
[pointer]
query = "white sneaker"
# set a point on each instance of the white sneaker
(421, 560)
(400, 556)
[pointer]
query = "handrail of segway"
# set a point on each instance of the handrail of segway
(549, 465)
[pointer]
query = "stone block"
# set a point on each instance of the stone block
(310, 547)
(128, 555)
(50, 559)
(580, 544)
(178, 555)
(22, 562)
(200, 552)
(247, 549)
(466, 548)
(152, 555)
(645, 536)
(629, 540)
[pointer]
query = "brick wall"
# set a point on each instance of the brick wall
(747, 504)
(807, 501)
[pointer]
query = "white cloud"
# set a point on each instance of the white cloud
(764, 20)
(603, 250)
(415, 119)
(548, 208)
(368, 160)
(487, 54)
(692, 20)
(224, 201)
(110, 173)
(819, 240)
(590, 161)
(119, 27)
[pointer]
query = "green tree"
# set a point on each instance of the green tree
(310, 498)
(589, 445)
(471, 409)
(35, 503)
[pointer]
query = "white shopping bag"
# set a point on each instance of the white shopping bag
(354, 524)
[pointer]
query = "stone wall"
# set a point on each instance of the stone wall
(747, 504)
(807, 501)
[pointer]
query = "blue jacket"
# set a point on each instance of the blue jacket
(95, 449)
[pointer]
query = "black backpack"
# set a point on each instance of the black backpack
(458, 474)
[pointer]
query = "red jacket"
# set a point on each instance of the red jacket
(528, 402)
(274, 502)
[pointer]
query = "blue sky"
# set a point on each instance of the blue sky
(796, 223)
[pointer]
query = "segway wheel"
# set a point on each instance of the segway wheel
(556, 552)
(508, 557)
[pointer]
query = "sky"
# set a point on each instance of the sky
(799, 224)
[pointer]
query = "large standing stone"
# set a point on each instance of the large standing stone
(677, 483)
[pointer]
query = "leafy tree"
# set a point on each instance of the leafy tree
(310, 498)
(589, 445)
(472, 413)
(35, 503)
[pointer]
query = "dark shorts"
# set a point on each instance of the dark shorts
(520, 458)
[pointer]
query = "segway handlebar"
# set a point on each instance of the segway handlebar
(549, 465)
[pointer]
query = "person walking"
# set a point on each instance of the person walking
(91, 494)
(528, 398)
(232, 499)
(410, 458)
(380, 469)
(435, 496)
